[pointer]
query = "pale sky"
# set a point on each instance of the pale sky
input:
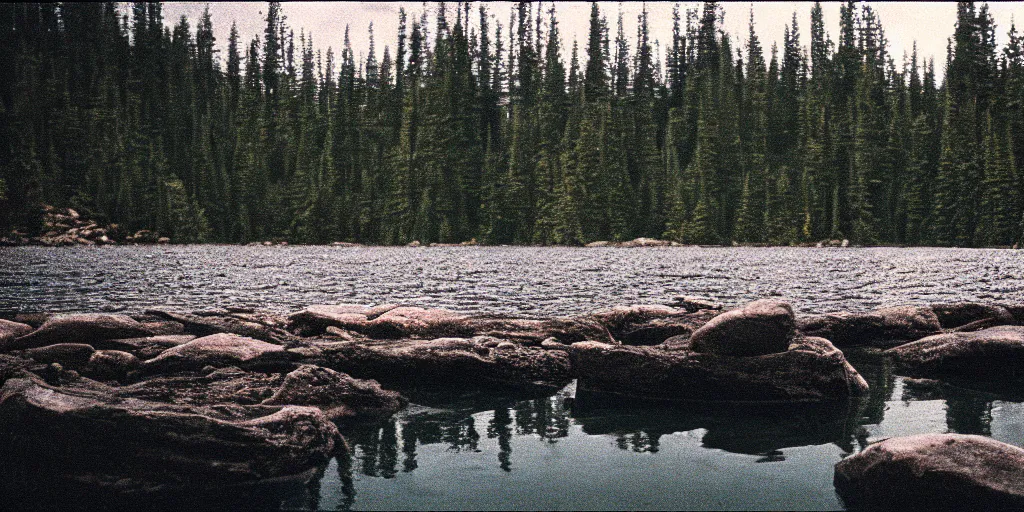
(928, 23)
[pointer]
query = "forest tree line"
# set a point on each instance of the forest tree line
(475, 128)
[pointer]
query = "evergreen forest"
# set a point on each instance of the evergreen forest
(480, 124)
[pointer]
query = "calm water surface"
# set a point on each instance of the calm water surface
(482, 451)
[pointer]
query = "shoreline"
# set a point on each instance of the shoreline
(275, 394)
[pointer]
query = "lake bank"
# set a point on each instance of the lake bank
(303, 380)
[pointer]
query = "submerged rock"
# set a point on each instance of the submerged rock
(934, 471)
(759, 328)
(811, 370)
(884, 328)
(81, 328)
(991, 354)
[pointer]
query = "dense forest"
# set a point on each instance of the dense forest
(471, 128)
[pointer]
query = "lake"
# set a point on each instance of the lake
(479, 450)
(510, 280)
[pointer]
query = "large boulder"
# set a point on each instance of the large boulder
(811, 370)
(10, 330)
(994, 354)
(885, 327)
(969, 316)
(337, 394)
(474, 362)
(81, 328)
(219, 350)
(759, 328)
(135, 445)
(934, 471)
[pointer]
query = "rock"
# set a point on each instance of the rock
(759, 328)
(694, 304)
(845, 243)
(262, 328)
(886, 327)
(453, 361)
(993, 354)
(599, 243)
(1017, 311)
(645, 242)
(145, 348)
(10, 330)
(618, 318)
(414, 243)
(11, 366)
(135, 445)
(34, 319)
(111, 365)
(553, 344)
(69, 355)
(164, 328)
(315, 319)
(934, 472)
(219, 350)
(337, 394)
(531, 331)
(163, 240)
(338, 332)
(647, 325)
(404, 322)
(811, 370)
(967, 316)
(81, 328)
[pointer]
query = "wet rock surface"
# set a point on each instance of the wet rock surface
(934, 472)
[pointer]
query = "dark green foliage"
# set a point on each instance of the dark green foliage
(485, 131)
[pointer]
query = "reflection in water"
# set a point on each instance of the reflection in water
(493, 426)
(487, 450)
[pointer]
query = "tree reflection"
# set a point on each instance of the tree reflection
(500, 427)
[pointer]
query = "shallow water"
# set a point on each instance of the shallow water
(539, 281)
(489, 452)
(485, 451)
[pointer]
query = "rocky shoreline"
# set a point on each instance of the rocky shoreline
(168, 401)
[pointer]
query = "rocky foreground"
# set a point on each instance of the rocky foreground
(164, 401)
